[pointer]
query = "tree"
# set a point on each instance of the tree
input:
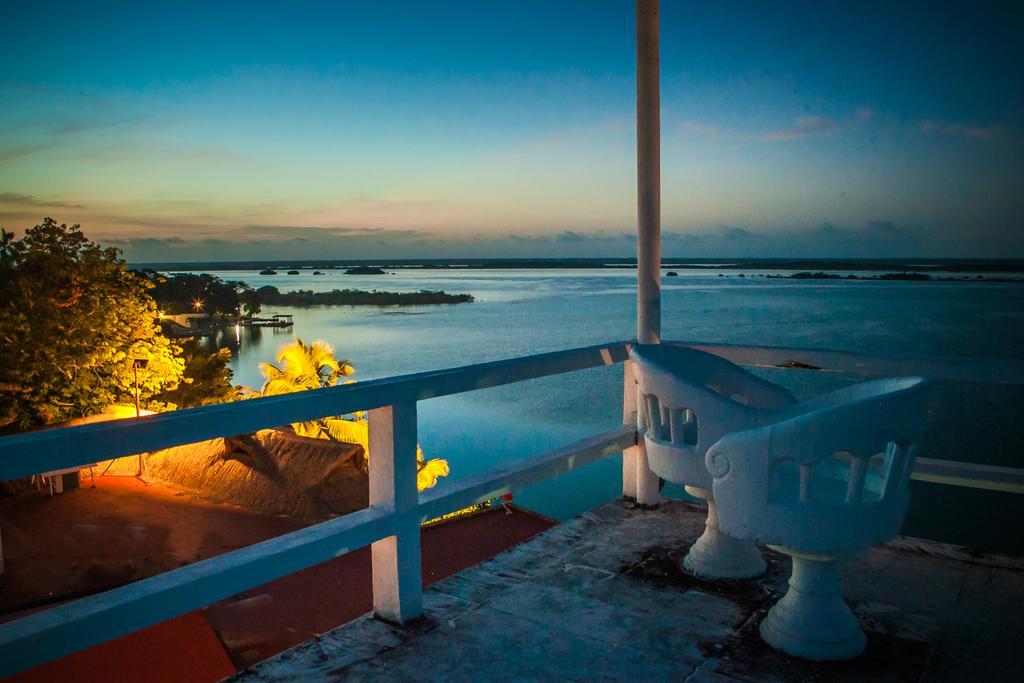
(193, 293)
(251, 301)
(72, 321)
(206, 379)
(9, 248)
(302, 367)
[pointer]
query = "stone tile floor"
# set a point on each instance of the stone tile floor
(601, 598)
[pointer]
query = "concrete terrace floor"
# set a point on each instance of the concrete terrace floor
(601, 597)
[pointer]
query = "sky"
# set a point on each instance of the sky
(506, 128)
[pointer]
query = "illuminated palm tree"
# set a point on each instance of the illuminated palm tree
(304, 366)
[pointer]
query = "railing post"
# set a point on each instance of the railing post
(647, 492)
(397, 568)
(638, 481)
(629, 419)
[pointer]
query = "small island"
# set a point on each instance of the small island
(209, 303)
(355, 297)
(365, 270)
(903, 276)
(268, 271)
(293, 272)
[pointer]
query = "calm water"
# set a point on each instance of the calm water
(519, 312)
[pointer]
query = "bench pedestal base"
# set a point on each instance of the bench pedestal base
(717, 556)
(812, 621)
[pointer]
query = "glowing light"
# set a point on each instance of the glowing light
(197, 304)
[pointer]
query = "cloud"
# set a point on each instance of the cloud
(888, 228)
(878, 238)
(146, 242)
(963, 130)
(18, 199)
(699, 128)
(805, 126)
(151, 152)
(284, 231)
(573, 237)
(874, 239)
(209, 217)
(72, 126)
(865, 114)
(584, 134)
(19, 151)
(735, 233)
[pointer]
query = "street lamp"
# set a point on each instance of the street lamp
(138, 364)
(197, 304)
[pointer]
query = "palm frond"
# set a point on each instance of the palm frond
(430, 471)
(301, 366)
(310, 366)
(278, 386)
(349, 431)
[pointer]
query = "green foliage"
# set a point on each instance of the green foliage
(302, 367)
(191, 292)
(181, 292)
(358, 297)
(9, 248)
(72, 319)
(206, 380)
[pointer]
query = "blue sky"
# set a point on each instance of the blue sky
(364, 130)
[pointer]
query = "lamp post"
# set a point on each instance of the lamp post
(137, 364)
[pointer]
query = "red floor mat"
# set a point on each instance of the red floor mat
(182, 650)
(271, 618)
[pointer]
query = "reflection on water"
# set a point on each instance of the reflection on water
(519, 312)
(237, 336)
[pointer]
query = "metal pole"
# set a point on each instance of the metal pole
(138, 412)
(638, 480)
(648, 172)
(135, 369)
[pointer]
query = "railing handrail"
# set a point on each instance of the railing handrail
(42, 451)
(952, 368)
(26, 454)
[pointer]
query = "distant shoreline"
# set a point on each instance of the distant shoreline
(355, 297)
(823, 265)
(905, 276)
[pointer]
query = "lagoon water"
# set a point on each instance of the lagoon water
(520, 312)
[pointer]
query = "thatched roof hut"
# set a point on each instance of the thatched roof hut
(274, 471)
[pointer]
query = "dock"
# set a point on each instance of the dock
(279, 320)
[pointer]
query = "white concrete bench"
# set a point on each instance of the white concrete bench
(688, 400)
(822, 487)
